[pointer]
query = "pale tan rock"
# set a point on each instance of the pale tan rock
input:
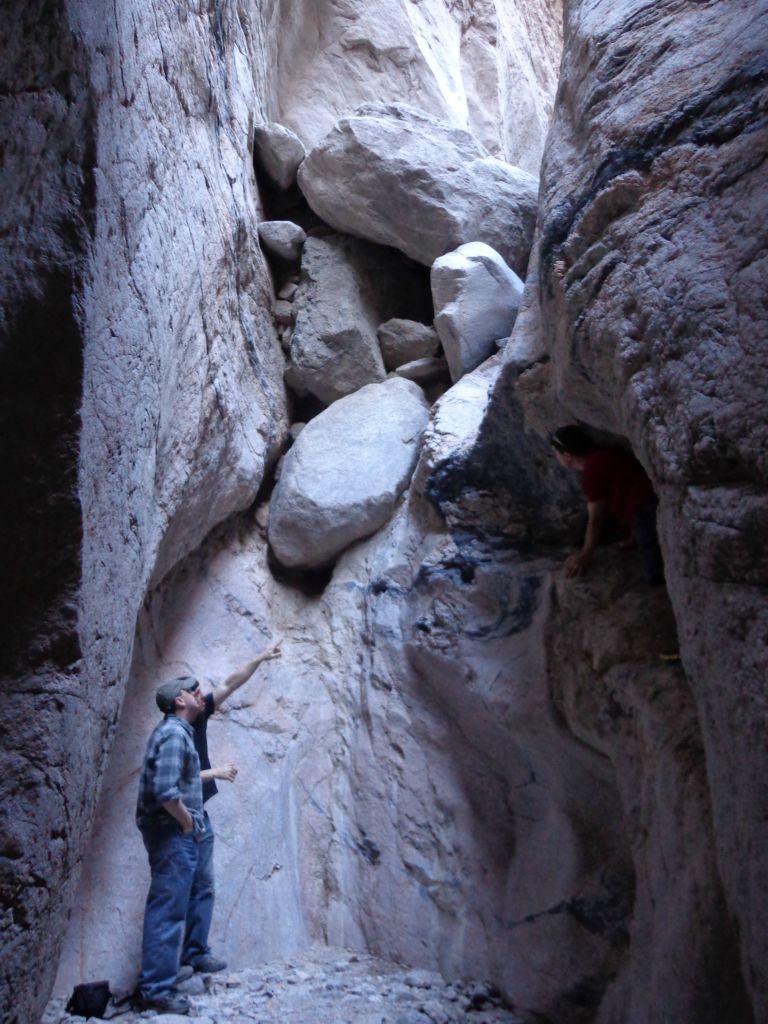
(489, 67)
(402, 341)
(400, 177)
(278, 152)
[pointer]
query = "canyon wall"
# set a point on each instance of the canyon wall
(461, 760)
(144, 384)
(647, 319)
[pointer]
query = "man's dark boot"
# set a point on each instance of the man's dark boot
(172, 1003)
(209, 964)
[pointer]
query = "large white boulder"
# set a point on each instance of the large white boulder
(348, 287)
(344, 474)
(401, 177)
(476, 298)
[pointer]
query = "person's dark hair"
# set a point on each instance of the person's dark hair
(572, 440)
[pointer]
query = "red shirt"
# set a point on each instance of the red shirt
(617, 478)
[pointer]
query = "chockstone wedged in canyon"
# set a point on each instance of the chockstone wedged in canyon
(463, 761)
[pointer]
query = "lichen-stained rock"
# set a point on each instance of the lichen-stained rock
(283, 238)
(476, 299)
(653, 318)
(402, 341)
(278, 152)
(341, 479)
(347, 288)
(489, 66)
(400, 177)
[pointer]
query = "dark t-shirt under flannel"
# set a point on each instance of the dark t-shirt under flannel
(171, 771)
(200, 729)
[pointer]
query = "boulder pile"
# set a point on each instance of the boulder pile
(387, 191)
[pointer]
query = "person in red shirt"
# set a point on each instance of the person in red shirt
(616, 485)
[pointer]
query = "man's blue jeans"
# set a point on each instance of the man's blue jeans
(200, 909)
(172, 861)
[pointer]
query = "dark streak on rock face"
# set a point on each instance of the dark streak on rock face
(40, 532)
(47, 219)
(712, 118)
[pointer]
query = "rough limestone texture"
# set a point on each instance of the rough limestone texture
(282, 238)
(476, 298)
(649, 320)
(144, 390)
(400, 177)
(278, 152)
(489, 66)
(347, 288)
(341, 479)
(402, 341)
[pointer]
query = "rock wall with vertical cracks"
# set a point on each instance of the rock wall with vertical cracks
(142, 390)
(646, 317)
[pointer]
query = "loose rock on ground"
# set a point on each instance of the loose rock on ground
(326, 986)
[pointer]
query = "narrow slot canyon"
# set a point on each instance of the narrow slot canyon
(411, 337)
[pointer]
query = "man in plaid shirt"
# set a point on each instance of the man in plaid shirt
(169, 814)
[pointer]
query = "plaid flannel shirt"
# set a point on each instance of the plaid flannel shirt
(171, 771)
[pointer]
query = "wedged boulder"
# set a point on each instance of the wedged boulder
(348, 287)
(490, 66)
(341, 479)
(476, 298)
(278, 152)
(282, 238)
(402, 341)
(401, 177)
(425, 370)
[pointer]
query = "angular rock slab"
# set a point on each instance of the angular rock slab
(402, 341)
(348, 287)
(398, 176)
(278, 152)
(476, 299)
(344, 474)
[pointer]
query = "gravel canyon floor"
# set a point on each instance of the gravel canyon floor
(327, 986)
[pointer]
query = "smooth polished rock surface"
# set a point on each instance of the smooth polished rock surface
(400, 177)
(476, 298)
(489, 66)
(278, 152)
(347, 288)
(341, 479)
